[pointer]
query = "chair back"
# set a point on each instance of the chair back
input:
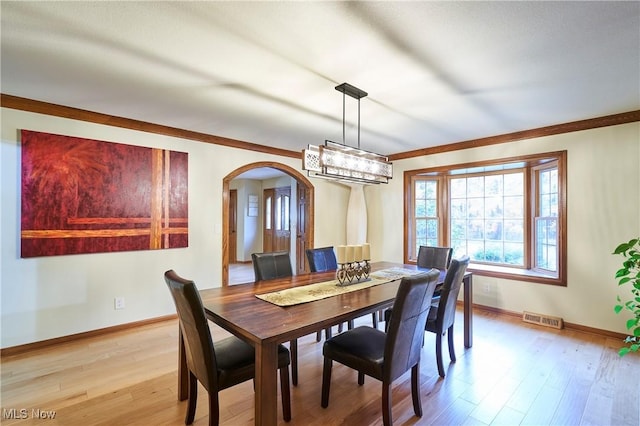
(322, 259)
(201, 358)
(434, 257)
(268, 266)
(449, 292)
(406, 325)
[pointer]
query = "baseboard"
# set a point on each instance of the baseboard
(567, 325)
(27, 347)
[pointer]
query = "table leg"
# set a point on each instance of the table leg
(266, 401)
(468, 310)
(183, 372)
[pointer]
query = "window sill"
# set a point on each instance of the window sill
(527, 275)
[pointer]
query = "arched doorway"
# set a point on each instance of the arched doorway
(304, 237)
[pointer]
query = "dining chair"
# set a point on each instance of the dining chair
(386, 356)
(321, 260)
(442, 314)
(434, 257)
(217, 365)
(269, 266)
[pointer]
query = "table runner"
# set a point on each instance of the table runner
(322, 290)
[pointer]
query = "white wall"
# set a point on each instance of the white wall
(48, 297)
(603, 210)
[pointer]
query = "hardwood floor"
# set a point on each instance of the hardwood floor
(241, 273)
(516, 373)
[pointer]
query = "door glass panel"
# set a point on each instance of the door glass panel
(267, 213)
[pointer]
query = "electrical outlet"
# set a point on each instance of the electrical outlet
(118, 303)
(487, 288)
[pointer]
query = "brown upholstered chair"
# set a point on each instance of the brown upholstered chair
(443, 312)
(387, 356)
(218, 365)
(269, 266)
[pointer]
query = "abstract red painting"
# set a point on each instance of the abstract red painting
(88, 196)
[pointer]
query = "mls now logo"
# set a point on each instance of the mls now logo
(14, 413)
(37, 413)
(23, 413)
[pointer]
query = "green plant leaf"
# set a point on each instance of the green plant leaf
(617, 309)
(623, 351)
(632, 322)
(622, 272)
(635, 348)
(623, 247)
(624, 280)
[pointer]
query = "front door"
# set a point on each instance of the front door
(277, 223)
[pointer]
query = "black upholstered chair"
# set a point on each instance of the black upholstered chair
(443, 312)
(434, 257)
(269, 266)
(321, 260)
(387, 356)
(218, 365)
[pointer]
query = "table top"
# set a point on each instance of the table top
(236, 308)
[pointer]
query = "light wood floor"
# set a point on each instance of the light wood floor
(515, 373)
(241, 273)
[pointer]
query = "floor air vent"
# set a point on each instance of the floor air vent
(545, 320)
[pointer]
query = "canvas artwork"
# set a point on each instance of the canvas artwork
(88, 196)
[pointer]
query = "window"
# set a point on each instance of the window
(508, 216)
(425, 196)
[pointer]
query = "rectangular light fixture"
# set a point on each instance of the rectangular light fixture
(336, 161)
(339, 161)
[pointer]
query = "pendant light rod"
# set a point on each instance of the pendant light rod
(354, 92)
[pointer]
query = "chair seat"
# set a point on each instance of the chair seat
(362, 349)
(235, 360)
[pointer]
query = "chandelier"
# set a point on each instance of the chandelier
(341, 162)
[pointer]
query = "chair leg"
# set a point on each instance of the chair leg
(193, 399)
(350, 325)
(374, 319)
(415, 389)
(326, 382)
(360, 378)
(214, 409)
(439, 354)
(327, 333)
(318, 335)
(293, 347)
(452, 352)
(340, 328)
(386, 404)
(285, 392)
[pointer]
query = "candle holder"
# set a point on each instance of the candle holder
(353, 272)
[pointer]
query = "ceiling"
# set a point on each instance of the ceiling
(264, 72)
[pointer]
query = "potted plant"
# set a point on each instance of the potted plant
(630, 273)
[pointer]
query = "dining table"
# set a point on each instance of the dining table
(237, 309)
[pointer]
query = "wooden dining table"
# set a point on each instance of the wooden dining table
(265, 325)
